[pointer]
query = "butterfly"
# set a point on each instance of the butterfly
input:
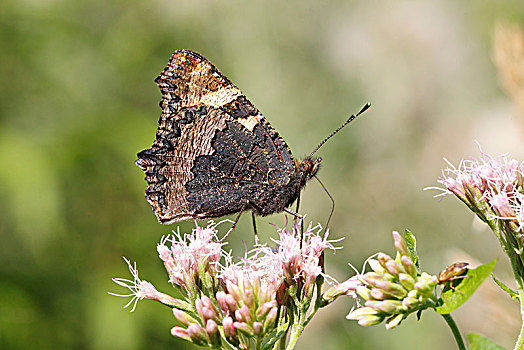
(214, 153)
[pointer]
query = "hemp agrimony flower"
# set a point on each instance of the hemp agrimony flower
(266, 297)
(394, 289)
(493, 189)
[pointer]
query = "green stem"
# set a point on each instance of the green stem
(456, 333)
(296, 331)
(298, 325)
(520, 340)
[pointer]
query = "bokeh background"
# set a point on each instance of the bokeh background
(78, 101)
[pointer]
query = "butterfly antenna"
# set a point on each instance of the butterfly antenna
(332, 205)
(350, 119)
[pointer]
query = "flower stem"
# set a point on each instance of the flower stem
(298, 325)
(296, 331)
(519, 345)
(456, 333)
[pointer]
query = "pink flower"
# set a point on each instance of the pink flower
(501, 205)
(187, 254)
(492, 187)
(141, 290)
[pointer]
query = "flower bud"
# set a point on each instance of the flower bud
(364, 292)
(394, 321)
(455, 186)
(361, 312)
(244, 328)
(372, 278)
(229, 328)
(233, 290)
(425, 284)
(243, 314)
(257, 327)
(393, 289)
(221, 300)
(209, 310)
(408, 265)
(394, 268)
(213, 333)
(370, 321)
(376, 266)
(181, 333)
(406, 280)
(386, 306)
(410, 303)
(400, 245)
(197, 334)
(347, 287)
(248, 297)
(264, 309)
(501, 206)
(379, 294)
(183, 317)
(271, 317)
(383, 259)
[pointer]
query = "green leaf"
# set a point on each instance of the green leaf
(411, 242)
(454, 297)
(478, 342)
(513, 294)
(274, 336)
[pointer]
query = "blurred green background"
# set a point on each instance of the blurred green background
(78, 101)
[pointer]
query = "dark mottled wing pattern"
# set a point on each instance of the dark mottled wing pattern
(214, 153)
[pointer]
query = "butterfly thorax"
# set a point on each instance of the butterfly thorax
(276, 198)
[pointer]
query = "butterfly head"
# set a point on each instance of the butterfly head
(309, 167)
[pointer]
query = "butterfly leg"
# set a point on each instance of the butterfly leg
(255, 227)
(234, 225)
(296, 211)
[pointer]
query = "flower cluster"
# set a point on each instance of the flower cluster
(493, 189)
(238, 303)
(394, 289)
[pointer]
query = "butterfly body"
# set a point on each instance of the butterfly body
(214, 153)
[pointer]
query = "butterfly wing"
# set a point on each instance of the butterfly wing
(214, 153)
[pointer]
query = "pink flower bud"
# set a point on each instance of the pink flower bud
(348, 287)
(385, 306)
(455, 186)
(229, 328)
(399, 244)
(263, 309)
(379, 294)
(233, 290)
(248, 296)
(180, 332)
(257, 327)
(197, 334)
(199, 306)
(394, 268)
(183, 317)
(243, 314)
(408, 265)
(221, 300)
(244, 328)
(271, 317)
(383, 259)
(500, 204)
(212, 332)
